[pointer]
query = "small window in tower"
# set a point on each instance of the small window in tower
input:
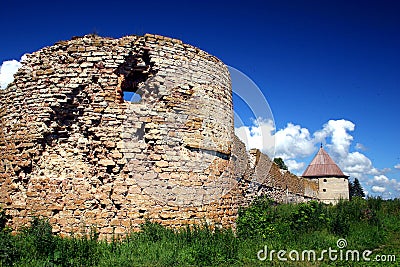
(324, 190)
(325, 180)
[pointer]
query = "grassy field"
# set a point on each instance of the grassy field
(372, 224)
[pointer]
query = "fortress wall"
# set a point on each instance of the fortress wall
(264, 178)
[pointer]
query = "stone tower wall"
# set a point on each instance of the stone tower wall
(333, 189)
(76, 152)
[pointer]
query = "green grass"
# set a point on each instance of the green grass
(371, 224)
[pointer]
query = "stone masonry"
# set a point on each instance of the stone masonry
(73, 150)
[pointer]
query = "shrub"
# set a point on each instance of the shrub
(39, 235)
(259, 220)
(8, 251)
(3, 219)
(265, 219)
(76, 251)
(154, 232)
(340, 224)
(310, 216)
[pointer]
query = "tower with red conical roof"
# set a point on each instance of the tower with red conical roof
(333, 184)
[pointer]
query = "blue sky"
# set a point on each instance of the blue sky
(329, 68)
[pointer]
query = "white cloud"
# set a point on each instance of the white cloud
(382, 182)
(360, 147)
(397, 166)
(293, 142)
(337, 130)
(355, 164)
(378, 189)
(260, 135)
(7, 71)
(294, 166)
(381, 179)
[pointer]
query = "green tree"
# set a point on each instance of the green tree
(355, 189)
(280, 163)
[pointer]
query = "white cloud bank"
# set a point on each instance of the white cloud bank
(260, 135)
(7, 70)
(378, 189)
(382, 184)
(294, 143)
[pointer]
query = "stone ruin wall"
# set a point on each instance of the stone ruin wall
(277, 184)
(75, 151)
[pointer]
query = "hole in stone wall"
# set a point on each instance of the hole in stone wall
(136, 69)
(55, 212)
(324, 190)
(27, 169)
(109, 169)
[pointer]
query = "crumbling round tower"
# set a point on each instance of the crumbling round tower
(107, 132)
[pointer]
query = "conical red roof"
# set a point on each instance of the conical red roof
(323, 166)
